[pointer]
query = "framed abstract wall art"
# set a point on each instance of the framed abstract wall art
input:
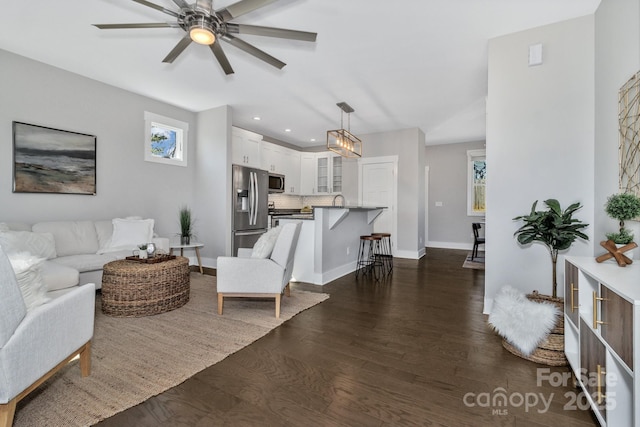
(47, 160)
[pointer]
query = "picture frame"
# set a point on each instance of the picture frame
(48, 160)
(165, 140)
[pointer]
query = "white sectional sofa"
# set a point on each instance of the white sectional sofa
(76, 251)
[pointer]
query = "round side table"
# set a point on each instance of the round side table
(195, 246)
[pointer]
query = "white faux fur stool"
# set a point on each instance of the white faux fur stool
(527, 326)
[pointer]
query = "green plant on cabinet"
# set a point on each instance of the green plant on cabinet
(623, 207)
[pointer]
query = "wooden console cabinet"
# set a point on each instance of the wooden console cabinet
(602, 331)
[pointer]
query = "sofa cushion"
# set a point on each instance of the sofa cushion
(12, 307)
(27, 270)
(72, 237)
(129, 233)
(15, 226)
(58, 276)
(38, 244)
(105, 231)
(91, 262)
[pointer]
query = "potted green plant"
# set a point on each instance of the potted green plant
(623, 207)
(186, 225)
(554, 228)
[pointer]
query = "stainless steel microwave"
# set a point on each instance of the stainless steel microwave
(276, 183)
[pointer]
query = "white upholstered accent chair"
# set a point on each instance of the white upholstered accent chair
(35, 344)
(244, 276)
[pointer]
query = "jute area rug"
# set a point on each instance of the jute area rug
(477, 263)
(137, 358)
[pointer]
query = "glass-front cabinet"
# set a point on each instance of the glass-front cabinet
(328, 173)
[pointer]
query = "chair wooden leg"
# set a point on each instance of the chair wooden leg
(7, 412)
(277, 306)
(287, 290)
(220, 303)
(85, 360)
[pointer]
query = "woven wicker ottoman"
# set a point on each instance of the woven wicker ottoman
(134, 289)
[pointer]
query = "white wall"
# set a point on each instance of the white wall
(212, 183)
(540, 145)
(39, 94)
(408, 145)
(36, 93)
(449, 224)
(617, 58)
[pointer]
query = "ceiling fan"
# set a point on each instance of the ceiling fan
(207, 26)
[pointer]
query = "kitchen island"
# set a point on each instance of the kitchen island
(328, 243)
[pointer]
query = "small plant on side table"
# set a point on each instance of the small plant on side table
(186, 225)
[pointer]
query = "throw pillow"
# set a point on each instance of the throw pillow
(522, 322)
(129, 233)
(39, 244)
(27, 270)
(266, 242)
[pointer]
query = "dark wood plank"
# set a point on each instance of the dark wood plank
(411, 350)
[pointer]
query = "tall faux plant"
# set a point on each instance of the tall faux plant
(554, 228)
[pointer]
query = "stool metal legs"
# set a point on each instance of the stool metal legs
(375, 255)
(368, 262)
(384, 253)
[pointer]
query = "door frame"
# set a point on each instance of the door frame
(393, 160)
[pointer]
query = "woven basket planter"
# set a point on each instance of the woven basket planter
(550, 352)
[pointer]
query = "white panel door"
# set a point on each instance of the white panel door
(378, 190)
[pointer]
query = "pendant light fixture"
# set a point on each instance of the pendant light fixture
(342, 141)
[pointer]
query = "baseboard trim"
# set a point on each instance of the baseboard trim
(450, 245)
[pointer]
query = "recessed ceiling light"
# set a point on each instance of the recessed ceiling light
(313, 140)
(287, 130)
(257, 118)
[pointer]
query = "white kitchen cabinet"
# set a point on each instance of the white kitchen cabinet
(245, 148)
(292, 171)
(272, 157)
(284, 161)
(602, 332)
(307, 174)
(328, 173)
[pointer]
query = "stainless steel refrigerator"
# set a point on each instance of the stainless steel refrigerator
(250, 206)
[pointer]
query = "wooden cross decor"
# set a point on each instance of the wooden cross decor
(617, 253)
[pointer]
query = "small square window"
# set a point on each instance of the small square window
(165, 140)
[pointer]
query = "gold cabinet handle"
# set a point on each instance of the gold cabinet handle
(596, 322)
(573, 290)
(600, 372)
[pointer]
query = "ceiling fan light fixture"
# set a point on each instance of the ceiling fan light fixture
(201, 34)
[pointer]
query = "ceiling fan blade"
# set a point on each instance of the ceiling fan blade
(177, 50)
(204, 5)
(240, 8)
(271, 32)
(181, 4)
(156, 7)
(221, 57)
(141, 25)
(252, 50)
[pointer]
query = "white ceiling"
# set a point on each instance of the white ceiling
(399, 64)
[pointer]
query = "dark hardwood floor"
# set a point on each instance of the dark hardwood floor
(412, 350)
